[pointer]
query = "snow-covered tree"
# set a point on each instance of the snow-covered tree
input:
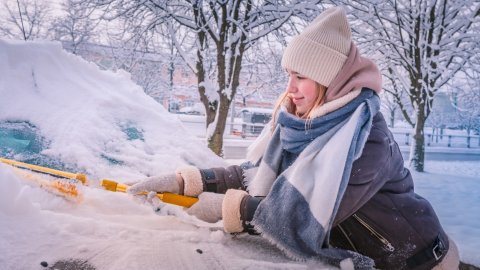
(420, 46)
(25, 19)
(391, 108)
(467, 100)
(221, 31)
(75, 28)
(263, 74)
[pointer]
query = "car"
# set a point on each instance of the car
(196, 109)
(254, 120)
(62, 112)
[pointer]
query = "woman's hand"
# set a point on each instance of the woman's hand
(208, 208)
(172, 183)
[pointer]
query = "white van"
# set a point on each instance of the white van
(254, 120)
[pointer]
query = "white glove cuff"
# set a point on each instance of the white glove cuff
(231, 210)
(192, 179)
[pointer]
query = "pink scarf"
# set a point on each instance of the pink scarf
(357, 72)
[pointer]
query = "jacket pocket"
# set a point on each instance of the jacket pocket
(347, 243)
(385, 243)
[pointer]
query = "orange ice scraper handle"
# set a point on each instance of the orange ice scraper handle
(171, 198)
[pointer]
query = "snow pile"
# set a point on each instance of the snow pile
(92, 118)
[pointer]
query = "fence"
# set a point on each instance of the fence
(196, 125)
(439, 140)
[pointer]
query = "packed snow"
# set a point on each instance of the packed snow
(83, 113)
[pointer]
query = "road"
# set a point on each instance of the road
(236, 149)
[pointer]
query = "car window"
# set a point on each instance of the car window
(19, 138)
(22, 141)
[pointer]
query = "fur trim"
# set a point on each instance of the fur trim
(231, 210)
(335, 104)
(192, 179)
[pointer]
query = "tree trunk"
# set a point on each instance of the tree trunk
(215, 141)
(417, 152)
(392, 118)
(210, 107)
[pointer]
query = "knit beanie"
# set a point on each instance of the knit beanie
(320, 51)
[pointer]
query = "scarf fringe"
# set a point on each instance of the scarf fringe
(345, 264)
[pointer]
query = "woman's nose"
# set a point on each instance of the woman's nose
(291, 86)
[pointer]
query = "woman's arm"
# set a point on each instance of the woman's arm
(217, 180)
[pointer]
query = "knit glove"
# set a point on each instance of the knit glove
(208, 208)
(172, 183)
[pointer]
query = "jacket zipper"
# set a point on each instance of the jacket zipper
(380, 237)
(348, 238)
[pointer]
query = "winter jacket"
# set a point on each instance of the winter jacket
(379, 216)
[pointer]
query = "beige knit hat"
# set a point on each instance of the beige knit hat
(320, 51)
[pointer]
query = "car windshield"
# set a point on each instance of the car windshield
(21, 141)
(18, 138)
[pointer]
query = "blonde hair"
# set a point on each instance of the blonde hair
(286, 101)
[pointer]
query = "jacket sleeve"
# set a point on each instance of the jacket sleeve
(238, 207)
(219, 180)
(370, 171)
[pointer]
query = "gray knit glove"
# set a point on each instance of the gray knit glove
(208, 207)
(172, 183)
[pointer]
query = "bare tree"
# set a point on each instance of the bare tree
(263, 74)
(25, 19)
(391, 108)
(421, 45)
(75, 28)
(467, 99)
(222, 31)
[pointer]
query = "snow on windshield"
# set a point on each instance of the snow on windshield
(98, 122)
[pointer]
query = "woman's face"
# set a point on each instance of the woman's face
(302, 91)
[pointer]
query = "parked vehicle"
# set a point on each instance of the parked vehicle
(196, 109)
(254, 120)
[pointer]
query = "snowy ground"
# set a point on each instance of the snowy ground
(453, 188)
(83, 111)
(114, 231)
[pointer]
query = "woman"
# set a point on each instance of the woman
(326, 179)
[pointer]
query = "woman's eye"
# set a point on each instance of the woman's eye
(300, 77)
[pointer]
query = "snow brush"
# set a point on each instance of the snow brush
(166, 197)
(66, 189)
(70, 191)
(80, 177)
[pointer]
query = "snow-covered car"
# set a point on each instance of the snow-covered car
(58, 110)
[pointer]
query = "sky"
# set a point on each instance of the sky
(87, 117)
